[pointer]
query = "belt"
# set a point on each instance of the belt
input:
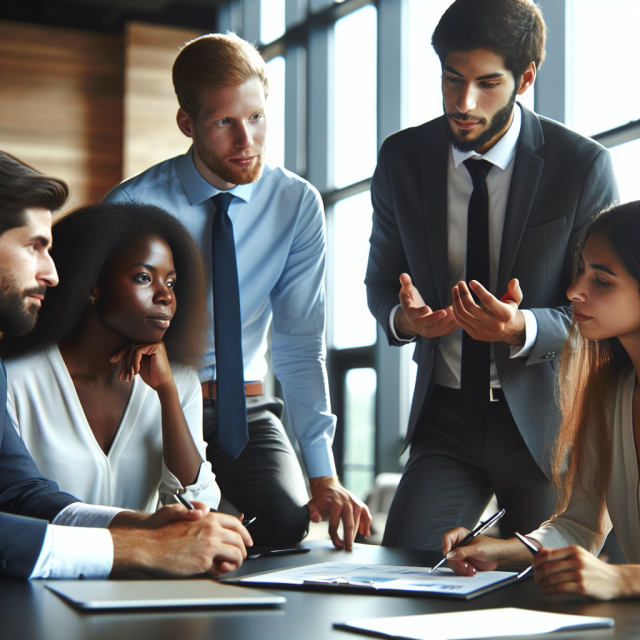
(495, 394)
(210, 390)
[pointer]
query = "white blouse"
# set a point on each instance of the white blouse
(46, 410)
(588, 519)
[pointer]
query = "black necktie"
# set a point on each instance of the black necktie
(231, 415)
(475, 353)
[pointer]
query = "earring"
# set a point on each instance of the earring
(92, 299)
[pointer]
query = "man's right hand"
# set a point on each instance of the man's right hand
(414, 317)
(215, 543)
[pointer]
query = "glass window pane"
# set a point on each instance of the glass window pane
(625, 164)
(605, 42)
(354, 107)
(275, 113)
(425, 94)
(352, 323)
(359, 431)
(272, 20)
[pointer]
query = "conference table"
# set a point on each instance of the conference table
(28, 611)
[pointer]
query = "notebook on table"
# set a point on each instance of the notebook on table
(488, 623)
(143, 594)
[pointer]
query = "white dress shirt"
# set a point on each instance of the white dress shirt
(448, 361)
(77, 544)
(588, 518)
(44, 405)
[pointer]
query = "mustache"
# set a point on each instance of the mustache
(465, 117)
(42, 290)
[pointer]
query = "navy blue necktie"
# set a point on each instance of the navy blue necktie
(231, 416)
(476, 355)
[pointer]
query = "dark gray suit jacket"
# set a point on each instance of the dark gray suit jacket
(27, 500)
(559, 180)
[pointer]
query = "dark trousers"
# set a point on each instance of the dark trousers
(453, 471)
(265, 481)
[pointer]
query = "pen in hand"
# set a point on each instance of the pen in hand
(471, 536)
(187, 503)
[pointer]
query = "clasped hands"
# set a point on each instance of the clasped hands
(492, 320)
(174, 541)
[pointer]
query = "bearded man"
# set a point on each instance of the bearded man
(474, 212)
(262, 233)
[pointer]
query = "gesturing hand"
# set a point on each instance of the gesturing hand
(148, 360)
(415, 318)
(493, 320)
(331, 500)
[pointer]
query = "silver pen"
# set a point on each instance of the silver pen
(472, 535)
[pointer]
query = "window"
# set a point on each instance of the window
(425, 95)
(275, 112)
(625, 164)
(272, 24)
(605, 43)
(359, 431)
(354, 109)
(352, 324)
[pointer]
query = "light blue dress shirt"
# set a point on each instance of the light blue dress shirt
(279, 231)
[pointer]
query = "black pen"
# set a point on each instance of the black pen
(472, 535)
(527, 543)
(185, 501)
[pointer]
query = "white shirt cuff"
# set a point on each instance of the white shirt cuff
(79, 514)
(392, 325)
(205, 489)
(531, 333)
(74, 552)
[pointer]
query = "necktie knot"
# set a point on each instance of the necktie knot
(478, 170)
(222, 201)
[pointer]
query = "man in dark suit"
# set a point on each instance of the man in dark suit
(475, 212)
(173, 541)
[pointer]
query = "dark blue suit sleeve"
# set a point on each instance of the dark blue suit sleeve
(27, 499)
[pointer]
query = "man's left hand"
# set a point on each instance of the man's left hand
(331, 500)
(495, 320)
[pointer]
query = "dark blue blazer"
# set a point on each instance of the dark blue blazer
(27, 499)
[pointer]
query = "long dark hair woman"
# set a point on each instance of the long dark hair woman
(104, 391)
(597, 451)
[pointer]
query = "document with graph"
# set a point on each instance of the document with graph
(382, 578)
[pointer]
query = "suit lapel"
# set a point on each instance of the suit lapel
(524, 183)
(434, 193)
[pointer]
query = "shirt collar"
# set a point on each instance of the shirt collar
(198, 189)
(503, 152)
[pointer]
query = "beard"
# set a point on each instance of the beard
(16, 319)
(496, 125)
(234, 175)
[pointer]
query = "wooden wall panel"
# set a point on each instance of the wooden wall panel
(150, 104)
(61, 104)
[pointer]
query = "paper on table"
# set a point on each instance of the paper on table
(384, 577)
(488, 623)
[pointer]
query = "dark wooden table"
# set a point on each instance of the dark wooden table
(28, 611)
